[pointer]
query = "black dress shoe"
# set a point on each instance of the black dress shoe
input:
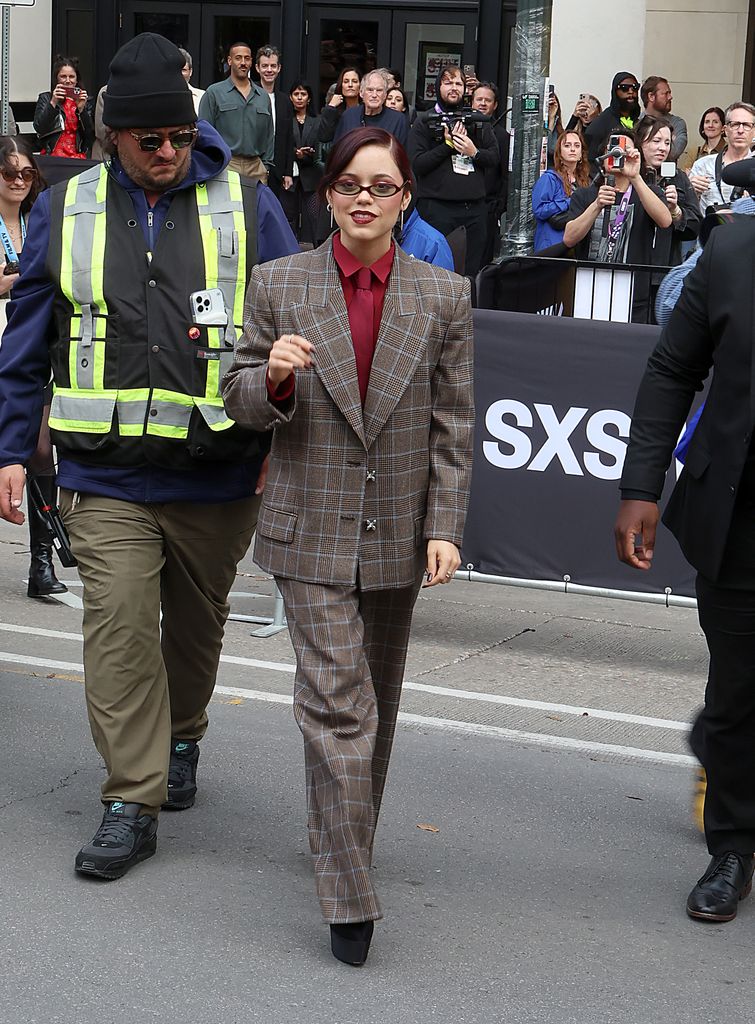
(350, 943)
(727, 881)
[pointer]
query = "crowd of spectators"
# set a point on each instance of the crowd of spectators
(582, 204)
(626, 184)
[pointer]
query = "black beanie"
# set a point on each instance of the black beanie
(146, 88)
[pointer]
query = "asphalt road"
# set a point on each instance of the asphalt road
(543, 737)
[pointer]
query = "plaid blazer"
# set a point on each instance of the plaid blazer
(354, 492)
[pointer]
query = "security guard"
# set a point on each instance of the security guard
(132, 290)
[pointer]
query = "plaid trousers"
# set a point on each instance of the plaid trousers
(350, 655)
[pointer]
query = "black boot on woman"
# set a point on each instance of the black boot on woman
(42, 578)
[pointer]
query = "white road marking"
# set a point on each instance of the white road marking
(494, 731)
(539, 705)
(428, 721)
(22, 659)
(599, 714)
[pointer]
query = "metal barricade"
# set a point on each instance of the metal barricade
(268, 626)
(584, 289)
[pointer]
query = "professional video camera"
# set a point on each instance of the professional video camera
(440, 120)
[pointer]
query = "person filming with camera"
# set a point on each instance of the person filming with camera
(636, 209)
(450, 148)
(616, 221)
(64, 117)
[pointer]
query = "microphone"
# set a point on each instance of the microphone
(740, 174)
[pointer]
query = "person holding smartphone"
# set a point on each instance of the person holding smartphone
(64, 117)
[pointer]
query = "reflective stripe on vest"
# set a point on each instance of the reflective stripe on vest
(86, 406)
(82, 276)
(223, 230)
(167, 413)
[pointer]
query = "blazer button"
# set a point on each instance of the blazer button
(370, 524)
(732, 488)
(371, 475)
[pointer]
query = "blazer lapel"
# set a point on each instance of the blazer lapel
(325, 322)
(401, 343)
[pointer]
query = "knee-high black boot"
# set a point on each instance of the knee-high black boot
(42, 579)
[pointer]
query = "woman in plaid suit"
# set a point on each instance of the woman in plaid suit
(359, 358)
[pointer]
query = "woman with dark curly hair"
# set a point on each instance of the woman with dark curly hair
(64, 117)
(20, 184)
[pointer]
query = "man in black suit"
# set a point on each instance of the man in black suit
(712, 515)
(268, 66)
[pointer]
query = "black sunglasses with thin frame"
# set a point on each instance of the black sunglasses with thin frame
(150, 142)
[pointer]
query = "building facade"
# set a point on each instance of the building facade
(316, 39)
(703, 47)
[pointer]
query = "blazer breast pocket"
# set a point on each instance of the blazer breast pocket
(276, 524)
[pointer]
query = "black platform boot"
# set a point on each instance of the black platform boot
(42, 579)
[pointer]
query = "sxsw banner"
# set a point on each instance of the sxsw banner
(554, 397)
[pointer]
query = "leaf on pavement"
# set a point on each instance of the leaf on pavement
(428, 828)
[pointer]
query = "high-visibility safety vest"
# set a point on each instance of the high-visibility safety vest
(135, 377)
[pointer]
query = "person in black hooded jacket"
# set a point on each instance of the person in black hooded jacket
(450, 170)
(623, 113)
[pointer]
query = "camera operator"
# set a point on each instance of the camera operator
(450, 149)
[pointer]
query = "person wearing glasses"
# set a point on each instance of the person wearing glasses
(131, 291)
(20, 184)
(372, 111)
(621, 115)
(361, 360)
(705, 173)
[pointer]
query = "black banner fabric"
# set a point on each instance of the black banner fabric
(554, 397)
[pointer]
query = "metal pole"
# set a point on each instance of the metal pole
(532, 39)
(5, 73)
(565, 586)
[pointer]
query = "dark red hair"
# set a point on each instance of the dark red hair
(349, 145)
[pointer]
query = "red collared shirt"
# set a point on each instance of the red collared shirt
(348, 265)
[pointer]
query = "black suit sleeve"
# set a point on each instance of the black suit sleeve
(676, 369)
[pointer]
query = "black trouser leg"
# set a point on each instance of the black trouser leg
(42, 578)
(725, 730)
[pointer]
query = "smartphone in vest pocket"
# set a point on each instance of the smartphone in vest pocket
(208, 307)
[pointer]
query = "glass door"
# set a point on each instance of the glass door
(225, 24)
(423, 42)
(179, 22)
(345, 37)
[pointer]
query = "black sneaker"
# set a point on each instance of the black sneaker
(182, 775)
(124, 838)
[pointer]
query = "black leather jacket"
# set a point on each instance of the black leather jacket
(49, 124)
